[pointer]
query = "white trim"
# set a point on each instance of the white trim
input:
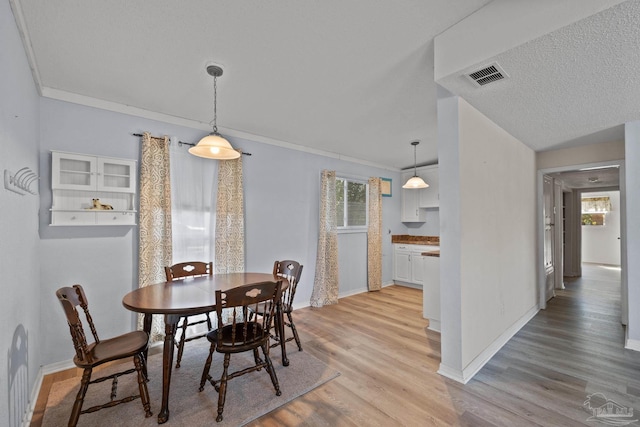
(479, 361)
(26, 43)
(434, 325)
(75, 98)
(630, 344)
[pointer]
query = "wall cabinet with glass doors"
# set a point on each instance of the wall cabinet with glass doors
(92, 190)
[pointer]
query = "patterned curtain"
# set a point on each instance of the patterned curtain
(155, 219)
(374, 235)
(325, 284)
(229, 256)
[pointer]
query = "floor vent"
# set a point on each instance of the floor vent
(487, 75)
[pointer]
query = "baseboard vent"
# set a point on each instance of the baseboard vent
(486, 75)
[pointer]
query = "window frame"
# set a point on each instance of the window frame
(352, 228)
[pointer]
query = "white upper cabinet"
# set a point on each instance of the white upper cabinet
(81, 172)
(410, 200)
(414, 200)
(430, 196)
(92, 190)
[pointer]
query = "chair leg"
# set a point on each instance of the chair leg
(77, 405)
(222, 393)
(270, 370)
(138, 360)
(207, 367)
(181, 343)
(295, 332)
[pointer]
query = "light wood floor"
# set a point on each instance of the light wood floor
(388, 361)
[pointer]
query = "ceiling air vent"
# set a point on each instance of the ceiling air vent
(487, 75)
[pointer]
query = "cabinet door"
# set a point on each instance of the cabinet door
(116, 175)
(417, 268)
(73, 171)
(410, 210)
(430, 196)
(402, 266)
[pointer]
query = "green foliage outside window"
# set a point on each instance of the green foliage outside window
(351, 198)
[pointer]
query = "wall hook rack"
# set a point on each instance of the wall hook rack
(21, 181)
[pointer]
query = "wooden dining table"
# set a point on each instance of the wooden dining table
(176, 299)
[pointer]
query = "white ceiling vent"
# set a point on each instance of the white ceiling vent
(486, 75)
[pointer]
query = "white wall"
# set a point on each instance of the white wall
(632, 237)
(601, 244)
(20, 355)
(104, 259)
(584, 155)
(494, 292)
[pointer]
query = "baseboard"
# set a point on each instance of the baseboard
(630, 344)
(434, 325)
(463, 376)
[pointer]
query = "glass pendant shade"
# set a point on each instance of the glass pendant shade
(214, 146)
(415, 182)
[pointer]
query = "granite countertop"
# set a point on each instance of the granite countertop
(415, 240)
(431, 253)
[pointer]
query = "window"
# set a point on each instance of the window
(594, 210)
(352, 202)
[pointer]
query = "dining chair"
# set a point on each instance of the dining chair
(182, 271)
(290, 270)
(237, 334)
(89, 356)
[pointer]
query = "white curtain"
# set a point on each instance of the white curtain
(192, 192)
(325, 283)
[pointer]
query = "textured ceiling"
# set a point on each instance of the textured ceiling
(578, 84)
(348, 78)
(589, 179)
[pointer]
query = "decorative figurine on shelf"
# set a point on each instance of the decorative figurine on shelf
(96, 205)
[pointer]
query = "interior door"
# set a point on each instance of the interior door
(549, 235)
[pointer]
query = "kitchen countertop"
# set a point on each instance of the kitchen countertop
(415, 240)
(431, 253)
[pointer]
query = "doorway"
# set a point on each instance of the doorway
(566, 242)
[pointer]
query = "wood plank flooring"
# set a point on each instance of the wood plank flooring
(388, 361)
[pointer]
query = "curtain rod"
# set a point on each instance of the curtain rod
(180, 143)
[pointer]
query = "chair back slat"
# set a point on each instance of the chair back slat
(188, 269)
(70, 298)
(236, 303)
(290, 270)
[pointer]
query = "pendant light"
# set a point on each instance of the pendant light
(415, 181)
(214, 146)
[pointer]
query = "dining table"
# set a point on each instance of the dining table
(176, 299)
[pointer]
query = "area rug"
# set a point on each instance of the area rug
(248, 396)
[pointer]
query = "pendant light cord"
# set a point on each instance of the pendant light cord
(215, 106)
(415, 161)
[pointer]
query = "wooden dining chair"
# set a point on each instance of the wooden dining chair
(182, 271)
(88, 356)
(237, 334)
(290, 270)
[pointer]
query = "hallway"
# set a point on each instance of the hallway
(566, 353)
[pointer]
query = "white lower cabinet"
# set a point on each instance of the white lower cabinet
(408, 267)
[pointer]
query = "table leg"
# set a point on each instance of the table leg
(279, 320)
(171, 322)
(146, 326)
